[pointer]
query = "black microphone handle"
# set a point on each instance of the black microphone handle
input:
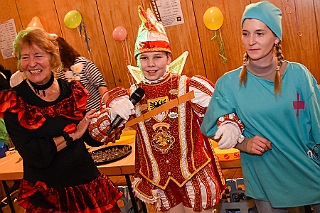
(134, 98)
(116, 122)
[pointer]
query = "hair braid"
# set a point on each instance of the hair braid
(243, 73)
(277, 80)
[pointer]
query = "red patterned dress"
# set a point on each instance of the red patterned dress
(64, 181)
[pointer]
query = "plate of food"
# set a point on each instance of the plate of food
(110, 154)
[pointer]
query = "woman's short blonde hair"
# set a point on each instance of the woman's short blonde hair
(40, 38)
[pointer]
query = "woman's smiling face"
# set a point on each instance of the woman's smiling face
(36, 64)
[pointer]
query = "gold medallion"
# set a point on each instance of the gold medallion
(162, 140)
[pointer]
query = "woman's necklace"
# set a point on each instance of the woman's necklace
(42, 87)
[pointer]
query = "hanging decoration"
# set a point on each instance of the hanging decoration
(35, 22)
(83, 33)
(120, 34)
(221, 47)
(213, 20)
(73, 19)
(299, 33)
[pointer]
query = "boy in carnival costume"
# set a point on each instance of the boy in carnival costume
(175, 167)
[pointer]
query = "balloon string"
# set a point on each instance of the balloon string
(125, 52)
(83, 33)
(127, 60)
(221, 46)
(129, 53)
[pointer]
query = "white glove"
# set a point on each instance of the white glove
(122, 107)
(230, 136)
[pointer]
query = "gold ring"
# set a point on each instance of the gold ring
(261, 149)
(85, 118)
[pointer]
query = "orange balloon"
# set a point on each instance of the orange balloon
(213, 18)
(35, 22)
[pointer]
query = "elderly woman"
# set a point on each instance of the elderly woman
(45, 120)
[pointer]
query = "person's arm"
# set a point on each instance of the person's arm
(118, 103)
(203, 90)
(95, 77)
(103, 92)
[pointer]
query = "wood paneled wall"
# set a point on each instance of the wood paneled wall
(102, 16)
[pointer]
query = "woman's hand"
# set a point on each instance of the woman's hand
(258, 145)
(83, 125)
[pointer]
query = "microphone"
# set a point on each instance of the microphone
(134, 98)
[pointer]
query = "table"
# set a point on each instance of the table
(11, 168)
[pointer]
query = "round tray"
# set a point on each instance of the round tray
(110, 154)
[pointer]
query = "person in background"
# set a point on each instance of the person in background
(76, 67)
(4, 83)
(47, 122)
(4, 137)
(175, 168)
(278, 102)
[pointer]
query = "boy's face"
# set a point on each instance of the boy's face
(154, 64)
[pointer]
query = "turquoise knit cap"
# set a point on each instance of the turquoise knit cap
(266, 12)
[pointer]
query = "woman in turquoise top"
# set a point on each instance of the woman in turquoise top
(278, 102)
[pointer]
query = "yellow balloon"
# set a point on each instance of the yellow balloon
(213, 18)
(73, 19)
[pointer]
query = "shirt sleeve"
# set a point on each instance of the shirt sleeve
(94, 75)
(219, 106)
(203, 89)
(313, 107)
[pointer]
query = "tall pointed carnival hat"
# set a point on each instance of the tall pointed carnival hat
(152, 37)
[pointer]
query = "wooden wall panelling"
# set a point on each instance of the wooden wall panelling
(231, 35)
(101, 17)
(184, 37)
(317, 15)
(316, 4)
(8, 13)
(95, 31)
(44, 9)
(305, 48)
(120, 13)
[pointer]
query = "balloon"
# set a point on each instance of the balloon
(213, 18)
(73, 19)
(119, 33)
(35, 22)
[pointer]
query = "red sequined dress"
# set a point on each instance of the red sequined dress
(64, 181)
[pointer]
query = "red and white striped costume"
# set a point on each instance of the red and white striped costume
(173, 164)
